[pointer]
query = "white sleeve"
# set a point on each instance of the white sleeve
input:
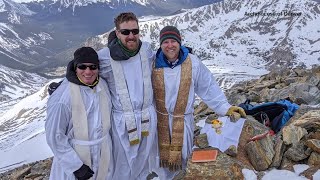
(104, 62)
(151, 55)
(105, 71)
(207, 88)
(56, 127)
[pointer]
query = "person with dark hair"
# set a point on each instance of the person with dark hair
(78, 121)
(177, 76)
(126, 66)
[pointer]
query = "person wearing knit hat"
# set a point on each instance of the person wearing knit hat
(86, 65)
(82, 58)
(176, 77)
(85, 55)
(170, 32)
(126, 66)
(78, 121)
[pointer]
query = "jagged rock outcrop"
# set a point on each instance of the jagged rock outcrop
(39, 170)
(261, 153)
(301, 85)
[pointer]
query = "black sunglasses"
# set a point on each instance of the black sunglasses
(84, 67)
(127, 31)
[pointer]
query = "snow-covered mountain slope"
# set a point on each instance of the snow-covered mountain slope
(243, 39)
(118, 3)
(247, 37)
(33, 149)
(23, 125)
(38, 35)
(16, 85)
(21, 42)
(14, 8)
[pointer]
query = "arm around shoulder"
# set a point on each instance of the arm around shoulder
(104, 62)
(150, 53)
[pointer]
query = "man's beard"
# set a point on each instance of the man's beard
(133, 45)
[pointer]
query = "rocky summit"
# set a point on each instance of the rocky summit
(298, 142)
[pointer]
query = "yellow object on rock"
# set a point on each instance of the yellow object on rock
(216, 121)
(217, 124)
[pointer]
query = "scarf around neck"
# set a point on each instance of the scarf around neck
(119, 52)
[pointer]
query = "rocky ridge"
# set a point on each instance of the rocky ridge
(297, 143)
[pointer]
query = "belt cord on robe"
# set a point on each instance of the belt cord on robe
(122, 91)
(171, 148)
(81, 133)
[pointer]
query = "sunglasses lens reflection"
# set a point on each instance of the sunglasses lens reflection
(127, 31)
(84, 67)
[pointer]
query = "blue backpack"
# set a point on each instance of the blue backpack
(272, 114)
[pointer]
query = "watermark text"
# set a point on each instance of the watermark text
(282, 13)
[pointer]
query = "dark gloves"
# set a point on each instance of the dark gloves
(83, 173)
(53, 86)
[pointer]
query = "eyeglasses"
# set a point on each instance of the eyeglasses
(127, 31)
(84, 67)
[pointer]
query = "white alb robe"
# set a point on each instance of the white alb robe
(136, 161)
(59, 130)
(205, 86)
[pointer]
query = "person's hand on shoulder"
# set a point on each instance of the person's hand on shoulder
(53, 86)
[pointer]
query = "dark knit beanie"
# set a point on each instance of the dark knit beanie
(85, 55)
(170, 32)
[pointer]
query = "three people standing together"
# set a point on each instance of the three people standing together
(148, 99)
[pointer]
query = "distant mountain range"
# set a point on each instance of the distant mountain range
(237, 40)
(42, 34)
(242, 39)
(249, 32)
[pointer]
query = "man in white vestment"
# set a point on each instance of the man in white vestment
(78, 122)
(126, 66)
(177, 76)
